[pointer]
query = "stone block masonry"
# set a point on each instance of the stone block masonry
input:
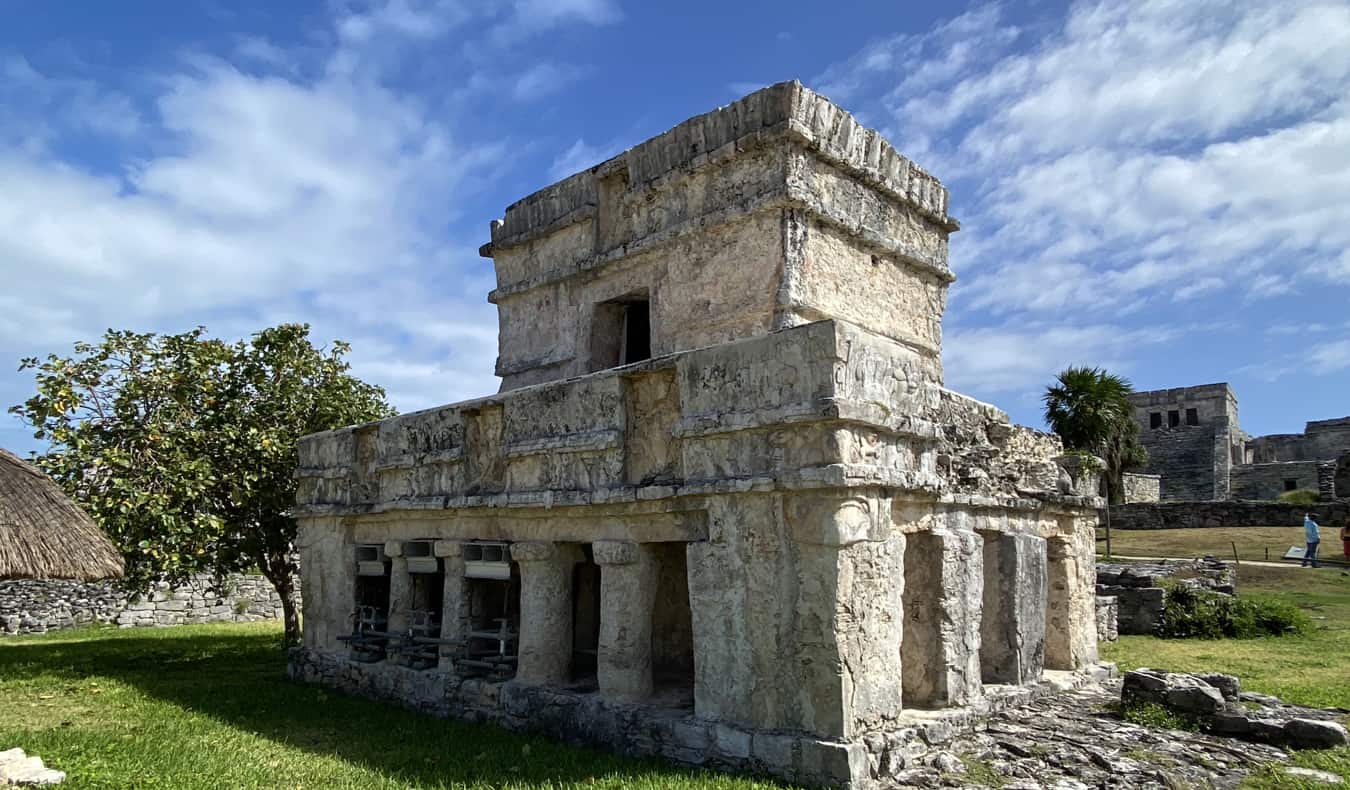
(723, 509)
(1135, 594)
(34, 606)
(1195, 515)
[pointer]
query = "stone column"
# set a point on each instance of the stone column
(400, 587)
(628, 573)
(940, 647)
(1071, 624)
(454, 598)
(328, 590)
(545, 610)
(1012, 631)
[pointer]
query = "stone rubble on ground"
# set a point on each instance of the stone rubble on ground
(23, 770)
(1078, 739)
(1216, 702)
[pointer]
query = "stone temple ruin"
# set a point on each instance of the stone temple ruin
(723, 510)
(1200, 453)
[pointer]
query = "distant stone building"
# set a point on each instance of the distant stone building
(1200, 452)
(723, 509)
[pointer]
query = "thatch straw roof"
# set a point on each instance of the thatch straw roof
(44, 535)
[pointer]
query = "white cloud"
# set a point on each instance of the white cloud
(542, 79)
(304, 187)
(1331, 357)
(1117, 161)
(1003, 360)
(579, 156)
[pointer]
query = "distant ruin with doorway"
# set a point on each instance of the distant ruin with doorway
(1199, 451)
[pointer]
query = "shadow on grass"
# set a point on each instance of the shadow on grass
(239, 679)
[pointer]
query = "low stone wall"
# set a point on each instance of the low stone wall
(1139, 595)
(1255, 482)
(1141, 488)
(34, 606)
(674, 733)
(1191, 515)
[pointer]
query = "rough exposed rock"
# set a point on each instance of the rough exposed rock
(1214, 701)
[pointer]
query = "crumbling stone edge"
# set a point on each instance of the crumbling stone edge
(637, 729)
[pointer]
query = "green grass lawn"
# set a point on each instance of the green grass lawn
(1253, 543)
(1309, 670)
(210, 707)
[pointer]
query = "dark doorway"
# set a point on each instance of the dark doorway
(585, 619)
(621, 332)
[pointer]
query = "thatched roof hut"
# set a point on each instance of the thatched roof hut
(44, 535)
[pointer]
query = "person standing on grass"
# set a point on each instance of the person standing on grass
(1314, 538)
(1345, 540)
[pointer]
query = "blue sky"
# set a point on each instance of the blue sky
(1161, 187)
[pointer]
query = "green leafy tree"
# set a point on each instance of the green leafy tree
(183, 447)
(1090, 410)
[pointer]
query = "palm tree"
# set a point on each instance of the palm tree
(1090, 410)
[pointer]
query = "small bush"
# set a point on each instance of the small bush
(1300, 496)
(242, 606)
(1201, 614)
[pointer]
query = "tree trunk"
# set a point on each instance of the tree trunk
(282, 575)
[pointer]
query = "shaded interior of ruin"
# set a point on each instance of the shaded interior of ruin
(491, 641)
(673, 628)
(371, 596)
(480, 637)
(585, 621)
(621, 332)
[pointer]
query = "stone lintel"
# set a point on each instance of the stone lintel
(615, 552)
(533, 551)
(837, 519)
(634, 522)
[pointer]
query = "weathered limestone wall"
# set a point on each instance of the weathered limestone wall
(40, 605)
(1268, 481)
(780, 189)
(1321, 440)
(1141, 488)
(1192, 515)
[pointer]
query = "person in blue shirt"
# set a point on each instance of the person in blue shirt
(1314, 538)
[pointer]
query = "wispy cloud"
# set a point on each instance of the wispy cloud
(266, 184)
(1118, 161)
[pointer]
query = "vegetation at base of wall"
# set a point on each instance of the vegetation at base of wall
(210, 707)
(1190, 613)
(1149, 714)
(1300, 496)
(1309, 670)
